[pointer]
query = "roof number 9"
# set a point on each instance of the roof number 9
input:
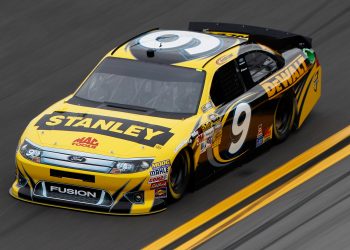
(170, 39)
(239, 126)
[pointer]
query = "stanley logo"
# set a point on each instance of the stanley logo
(139, 132)
(88, 142)
(286, 78)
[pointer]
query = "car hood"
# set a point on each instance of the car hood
(107, 132)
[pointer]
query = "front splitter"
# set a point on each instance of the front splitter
(55, 204)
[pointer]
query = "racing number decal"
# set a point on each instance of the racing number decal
(231, 146)
(175, 46)
(240, 127)
(194, 43)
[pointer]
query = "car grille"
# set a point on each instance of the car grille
(95, 163)
(76, 159)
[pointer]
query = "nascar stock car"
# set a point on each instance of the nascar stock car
(163, 110)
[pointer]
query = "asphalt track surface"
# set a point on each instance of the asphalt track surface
(46, 49)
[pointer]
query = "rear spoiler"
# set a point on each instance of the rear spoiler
(276, 39)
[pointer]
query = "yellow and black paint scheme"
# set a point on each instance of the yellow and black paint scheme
(215, 137)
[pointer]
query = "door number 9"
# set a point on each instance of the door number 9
(240, 127)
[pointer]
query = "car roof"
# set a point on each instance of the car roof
(178, 47)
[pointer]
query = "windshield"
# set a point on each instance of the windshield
(123, 83)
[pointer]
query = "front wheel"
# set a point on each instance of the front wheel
(284, 117)
(179, 176)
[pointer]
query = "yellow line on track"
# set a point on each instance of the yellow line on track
(265, 200)
(248, 191)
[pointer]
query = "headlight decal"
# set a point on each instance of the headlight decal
(131, 166)
(30, 152)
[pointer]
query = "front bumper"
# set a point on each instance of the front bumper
(127, 194)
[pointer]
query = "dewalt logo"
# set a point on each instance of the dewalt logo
(139, 132)
(286, 78)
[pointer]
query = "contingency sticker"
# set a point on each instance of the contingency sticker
(87, 142)
(209, 133)
(263, 135)
(160, 192)
(159, 173)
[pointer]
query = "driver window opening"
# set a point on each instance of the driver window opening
(226, 84)
(260, 65)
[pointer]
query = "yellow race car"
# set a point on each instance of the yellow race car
(164, 110)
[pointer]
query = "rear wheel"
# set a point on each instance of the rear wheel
(179, 176)
(284, 117)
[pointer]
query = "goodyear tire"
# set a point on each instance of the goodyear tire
(179, 176)
(284, 117)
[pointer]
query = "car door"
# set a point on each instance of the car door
(255, 67)
(227, 85)
(246, 124)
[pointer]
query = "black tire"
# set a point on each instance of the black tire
(179, 176)
(284, 117)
